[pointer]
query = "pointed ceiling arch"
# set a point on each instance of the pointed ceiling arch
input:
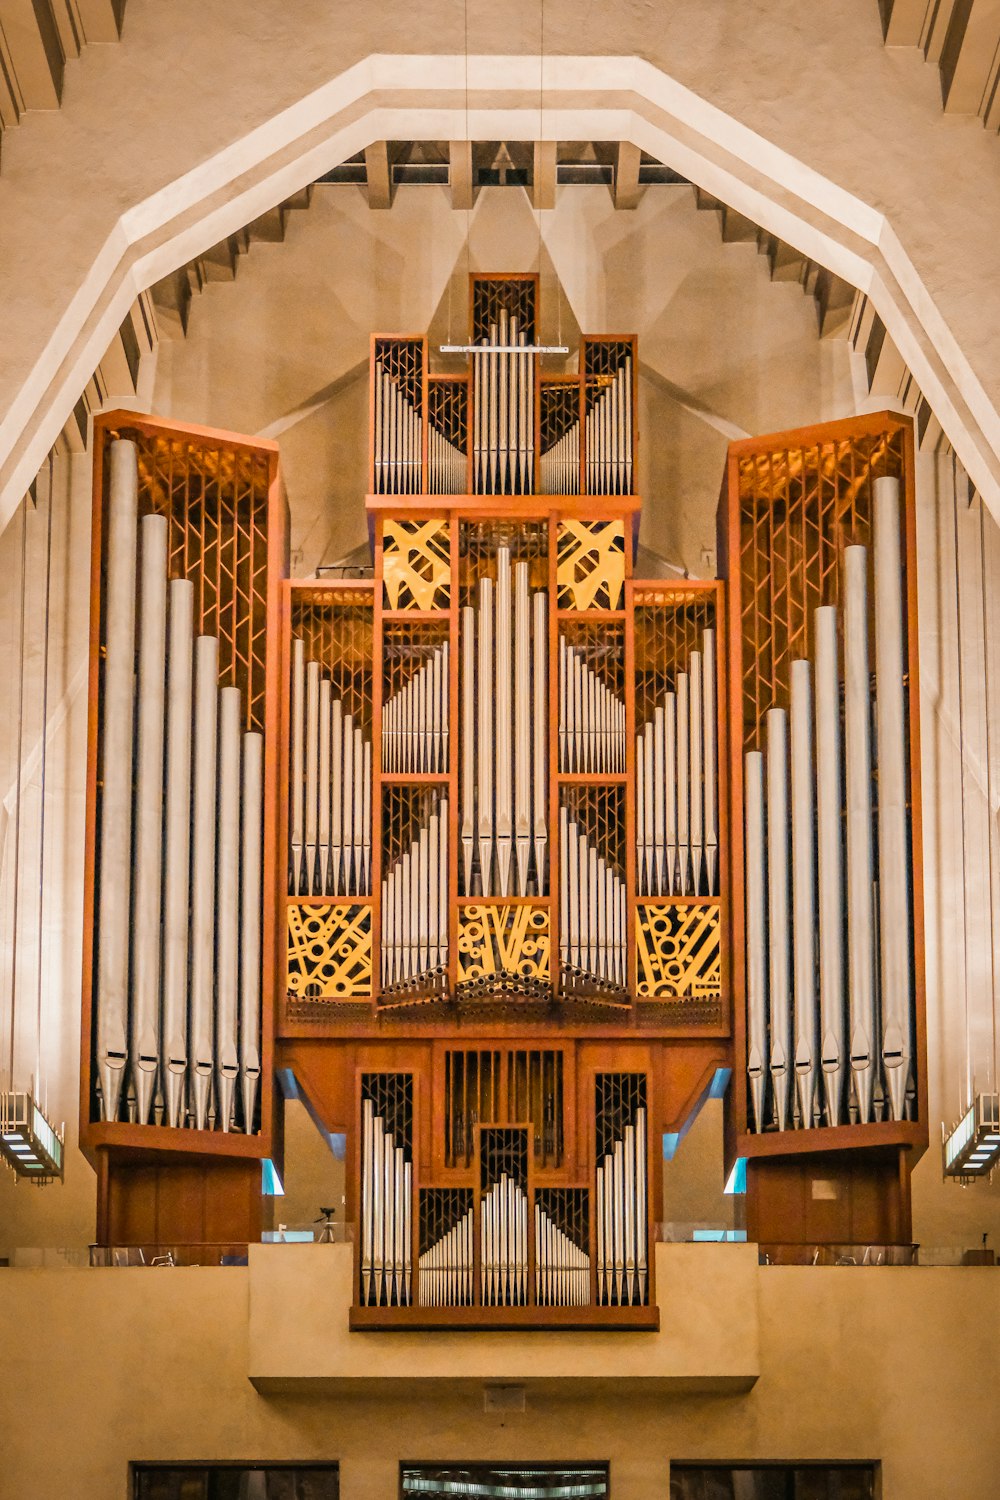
(447, 97)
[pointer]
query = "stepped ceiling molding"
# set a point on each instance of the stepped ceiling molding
(421, 97)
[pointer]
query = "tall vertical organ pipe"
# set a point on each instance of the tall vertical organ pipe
(177, 832)
(893, 851)
(227, 905)
(147, 872)
(251, 858)
(116, 776)
(203, 817)
(831, 860)
(804, 892)
(860, 857)
(756, 933)
(778, 905)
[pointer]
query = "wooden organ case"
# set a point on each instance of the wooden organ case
(490, 806)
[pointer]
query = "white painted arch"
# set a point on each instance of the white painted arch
(435, 97)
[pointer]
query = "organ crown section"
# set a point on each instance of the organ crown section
(819, 528)
(178, 968)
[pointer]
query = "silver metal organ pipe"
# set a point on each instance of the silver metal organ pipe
(203, 832)
(670, 789)
(504, 724)
(804, 892)
(227, 906)
(298, 763)
(485, 739)
(522, 725)
(642, 852)
(831, 860)
(323, 785)
(709, 733)
(116, 777)
(860, 855)
(336, 783)
(893, 861)
(177, 831)
(540, 779)
(145, 1028)
(366, 823)
(251, 856)
(346, 795)
(697, 787)
(778, 903)
(659, 798)
(312, 774)
(358, 799)
(756, 933)
(468, 828)
(683, 784)
(649, 798)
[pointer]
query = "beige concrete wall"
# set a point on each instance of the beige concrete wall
(898, 1366)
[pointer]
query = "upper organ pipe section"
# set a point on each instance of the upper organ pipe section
(174, 978)
(821, 544)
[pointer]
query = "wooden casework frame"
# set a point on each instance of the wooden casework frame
(864, 447)
(583, 1061)
(163, 446)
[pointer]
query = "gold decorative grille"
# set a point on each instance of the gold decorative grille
(336, 628)
(416, 564)
(590, 564)
(799, 508)
(514, 295)
(678, 952)
(215, 499)
(329, 950)
(503, 948)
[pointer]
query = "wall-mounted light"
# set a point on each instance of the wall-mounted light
(29, 1143)
(972, 1147)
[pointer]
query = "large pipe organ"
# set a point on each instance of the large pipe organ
(506, 854)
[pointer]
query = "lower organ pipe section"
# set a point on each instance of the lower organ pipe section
(562, 1261)
(415, 903)
(504, 716)
(676, 785)
(446, 1256)
(178, 992)
(620, 1193)
(828, 883)
(386, 1192)
(331, 787)
(503, 1220)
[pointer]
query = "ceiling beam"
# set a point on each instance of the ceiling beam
(627, 191)
(969, 59)
(903, 21)
(379, 170)
(543, 181)
(463, 191)
(32, 43)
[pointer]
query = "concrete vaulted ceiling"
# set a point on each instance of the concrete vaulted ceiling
(238, 123)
